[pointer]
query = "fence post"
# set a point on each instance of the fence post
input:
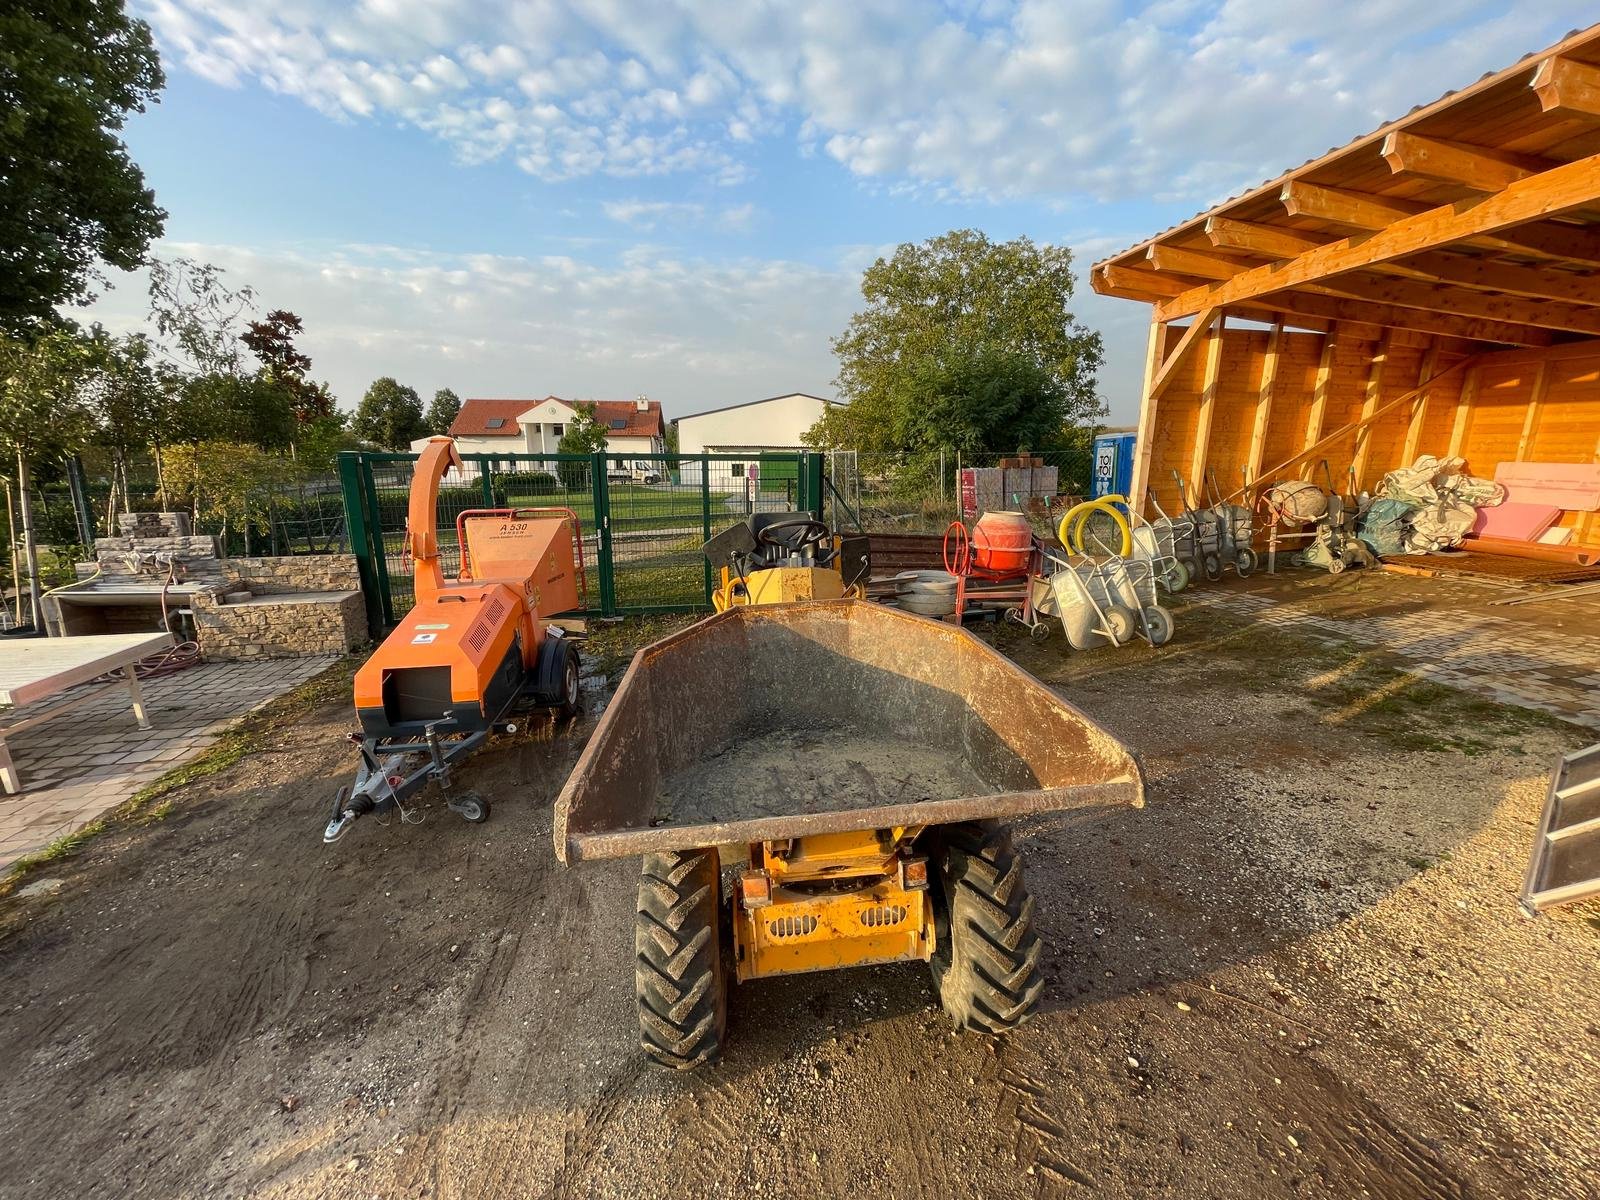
(355, 523)
(811, 483)
(705, 516)
(602, 522)
(486, 479)
(380, 558)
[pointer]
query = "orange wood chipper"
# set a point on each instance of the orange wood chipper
(472, 653)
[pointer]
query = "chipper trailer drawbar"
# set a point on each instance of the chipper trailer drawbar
(820, 784)
(472, 654)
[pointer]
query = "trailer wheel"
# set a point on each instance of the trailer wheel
(679, 976)
(986, 965)
(571, 698)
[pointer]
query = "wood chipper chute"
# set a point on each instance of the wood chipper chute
(821, 785)
(472, 652)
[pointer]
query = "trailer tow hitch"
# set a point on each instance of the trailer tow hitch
(374, 791)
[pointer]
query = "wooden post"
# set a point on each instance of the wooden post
(137, 696)
(1147, 418)
(1469, 395)
(1319, 395)
(1208, 404)
(1419, 410)
(1269, 381)
(1530, 421)
(1358, 459)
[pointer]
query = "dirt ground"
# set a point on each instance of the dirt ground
(1299, 971)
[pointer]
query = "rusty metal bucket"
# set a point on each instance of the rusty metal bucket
(837, 678)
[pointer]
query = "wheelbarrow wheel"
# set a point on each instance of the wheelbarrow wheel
(1177, 576)
(680, 979)
(1158, 625)
(1122, 624)
(1213, 566)
(1245, 561)
(986, 963)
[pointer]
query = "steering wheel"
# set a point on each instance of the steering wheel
(809, 533)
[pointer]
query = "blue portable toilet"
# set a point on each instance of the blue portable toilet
(1113, 464)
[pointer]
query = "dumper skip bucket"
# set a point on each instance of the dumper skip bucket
(770, 722)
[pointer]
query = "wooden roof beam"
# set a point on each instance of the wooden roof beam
(1452, 162)
(1443, 267)
(1135, 284)
(1560, 189)
(1463, 302)
(1358, 210)
(1348, 312)
(1266, 240)
(1568, 88)
(1180, 261)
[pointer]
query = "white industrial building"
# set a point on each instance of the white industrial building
(777, 423)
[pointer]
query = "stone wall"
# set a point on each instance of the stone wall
(281, 626)
(298, 573)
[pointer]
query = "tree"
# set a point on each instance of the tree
(584, 435)
(390, 415)
(70, 197)
(43, 417)
(944, 308)
(976, 400)
(286, 366)
(232, 481)
(131, 407)
(446, 407)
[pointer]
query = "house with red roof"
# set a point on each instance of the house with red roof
(633, 427)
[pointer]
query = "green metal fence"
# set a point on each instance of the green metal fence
(644, 517)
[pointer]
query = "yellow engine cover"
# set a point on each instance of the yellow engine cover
(779, 585)
(802, 931)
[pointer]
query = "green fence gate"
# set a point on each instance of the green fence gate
(644, 516)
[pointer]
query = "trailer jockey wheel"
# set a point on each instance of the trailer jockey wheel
(986, 963)
(472, 807)
(680, 973)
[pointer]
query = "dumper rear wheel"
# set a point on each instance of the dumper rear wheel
(679, 975)
(986, 965)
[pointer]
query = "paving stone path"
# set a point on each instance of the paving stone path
(89, 760)
(1499, 658)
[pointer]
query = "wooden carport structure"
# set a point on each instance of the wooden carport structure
(1430, 288)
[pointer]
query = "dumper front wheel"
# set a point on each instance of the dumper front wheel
(986, 965)
(679, 976)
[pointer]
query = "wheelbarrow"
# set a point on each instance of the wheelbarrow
(822, 785)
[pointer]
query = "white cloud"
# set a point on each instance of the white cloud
(1174, 100)
(689, 333)
(649, 214)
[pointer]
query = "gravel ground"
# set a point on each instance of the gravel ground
(1298, 971)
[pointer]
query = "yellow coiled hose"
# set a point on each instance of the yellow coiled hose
(1070, 530)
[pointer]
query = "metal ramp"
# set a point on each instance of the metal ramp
(1566, 852)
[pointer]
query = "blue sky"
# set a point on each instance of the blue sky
(609, 198)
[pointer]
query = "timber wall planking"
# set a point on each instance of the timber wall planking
(1545, 404)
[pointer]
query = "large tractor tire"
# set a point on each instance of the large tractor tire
(679, 976)
(986, 965)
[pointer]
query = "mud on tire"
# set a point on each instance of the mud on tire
(679, 974)
(986, 965)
